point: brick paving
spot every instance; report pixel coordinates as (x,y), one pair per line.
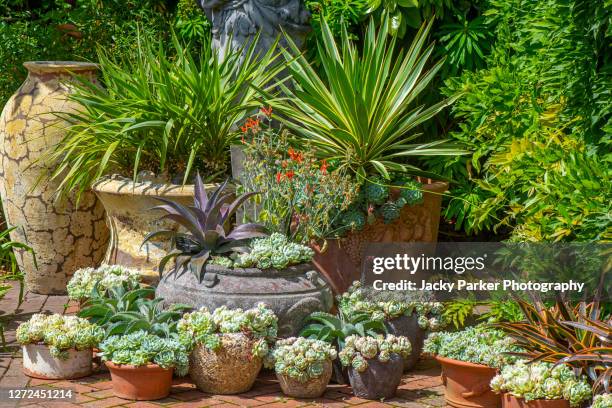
(421,388)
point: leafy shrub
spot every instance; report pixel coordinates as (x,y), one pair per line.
(542,381)
(302,359)
(60,333)
(358,350)
(141,348)
(276,252)
(83,281)
(479,345)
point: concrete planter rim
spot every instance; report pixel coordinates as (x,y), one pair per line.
(44,67)
(250,272)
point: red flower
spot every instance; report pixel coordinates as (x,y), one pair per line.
(324,167)
(295,156)
(290,174)
(279,176)
(267,111)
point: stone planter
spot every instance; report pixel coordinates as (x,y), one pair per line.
(467,384)
(340,262)
(408,326)
(292,293)
(64,237)
(510,401)
(39,363)
(379,380)
(142,383)
(313,388)
(230,370)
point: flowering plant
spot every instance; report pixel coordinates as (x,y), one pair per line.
(302,359)
(542,381)
(60,333)
(300,196)
(106,276)
(141,348)
(358,350)
(479,345)
(202,327)
(602,401)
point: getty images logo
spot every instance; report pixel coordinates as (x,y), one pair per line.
(412,264)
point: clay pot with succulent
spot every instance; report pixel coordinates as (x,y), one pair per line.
(228,346)
(216,263)
(58,347)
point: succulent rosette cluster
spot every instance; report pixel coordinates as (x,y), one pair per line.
(204,327)
(429,313)
(478,344)
(142,348)
(275,251)
(84,280)
(358,350)
(602,401)
(542,381)
(302,359)
(60,333)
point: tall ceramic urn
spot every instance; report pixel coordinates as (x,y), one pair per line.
(63,237)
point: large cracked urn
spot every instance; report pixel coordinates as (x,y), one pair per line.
(292,293)
(63,237)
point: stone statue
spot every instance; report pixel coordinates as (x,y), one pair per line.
(240,20)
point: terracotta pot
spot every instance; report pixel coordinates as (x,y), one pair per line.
(142,383)
(510,401)
(230,370)
(340,261)
(408,326)
(313,388)
(379,380)
(467,384)
(64,237)
(39,363)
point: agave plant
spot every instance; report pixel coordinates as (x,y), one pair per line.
(206,229)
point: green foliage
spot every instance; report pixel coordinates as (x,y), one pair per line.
(358,350)
(192,25)
(503,311)
(465,43)
(8,261)
(302,359)
(406,14)
(84,280)
(275,251)
(337,14)
(141,348)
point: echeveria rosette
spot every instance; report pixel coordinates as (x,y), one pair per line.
(358,350)
(301,359)
(83,281)
(60,333)
(479,345)
(275,251)
(141,348)
(542,381)
(602,401)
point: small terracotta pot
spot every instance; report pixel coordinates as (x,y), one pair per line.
(313,388)
(142,383)
(510,401)
(379,380)
(467,384)
(39,363)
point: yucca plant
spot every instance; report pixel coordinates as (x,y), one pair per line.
(207,231)
(162,111)
(362,110)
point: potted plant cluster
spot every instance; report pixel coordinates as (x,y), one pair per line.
(58,347)
(540,385)
(142,364)
(470,359)
(84,280)
(303,366)
(602,401)
(228,346)
(375,364)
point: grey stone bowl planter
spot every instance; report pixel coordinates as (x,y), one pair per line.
(379,380)
(408,326)
(292,293)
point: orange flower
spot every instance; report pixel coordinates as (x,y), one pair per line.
(295,156)
(290,174)
(279,177)
(324,167)
(267,111)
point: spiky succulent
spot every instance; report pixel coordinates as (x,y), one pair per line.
(302,359)
(376,190)
(207,230)
(358,350)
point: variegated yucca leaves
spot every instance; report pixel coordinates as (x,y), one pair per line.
(580,336)
(206,226)
(362,109)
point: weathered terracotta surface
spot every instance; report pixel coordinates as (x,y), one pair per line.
(510,401)
(379,380)
(64,238)
(467,384)
(142,383)
(340,262)
(313,388)
(39,363)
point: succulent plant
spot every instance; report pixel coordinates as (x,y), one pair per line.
(390,212)
(140,348)
(205,223)
(83,281)
(376,191)
(353,219)
(542,381)
(60,333)
(411,192)
(301,359)
(358,350)
(602,401)
(275,251)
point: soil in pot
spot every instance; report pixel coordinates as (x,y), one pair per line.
(39,363)
(313,388)
(379,380)
(232,369)
(510,401)
(142,383)
(408,326)
(467,384)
